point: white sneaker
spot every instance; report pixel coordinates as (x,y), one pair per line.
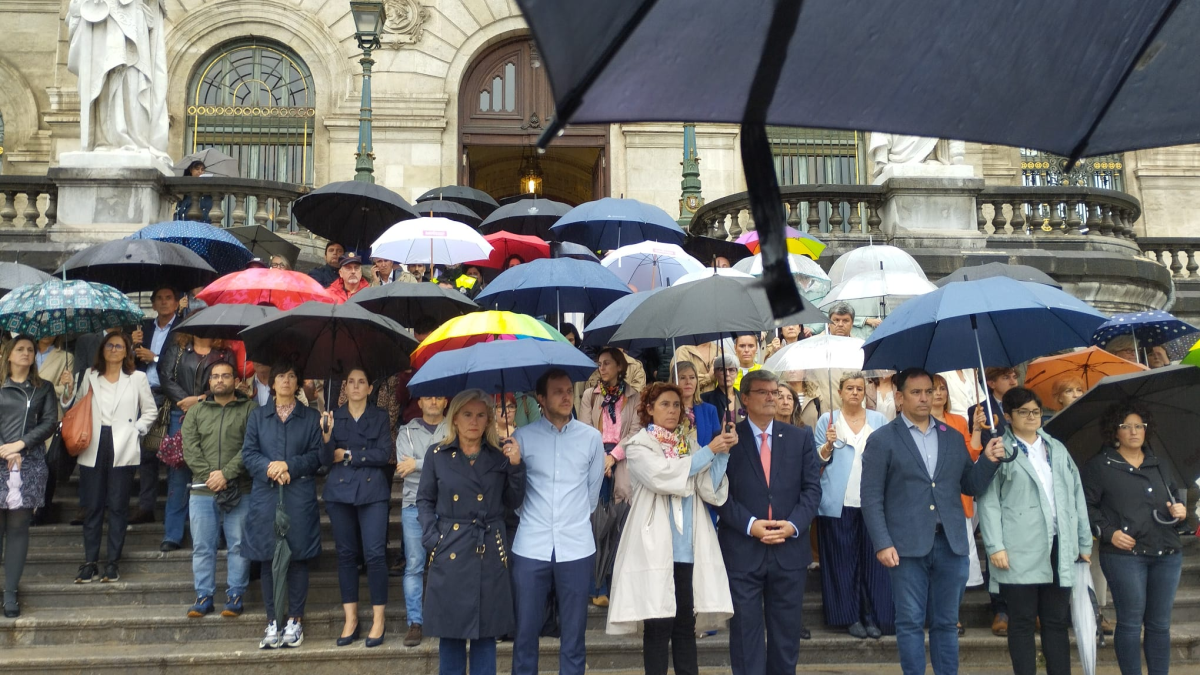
(270,637)
(293,634)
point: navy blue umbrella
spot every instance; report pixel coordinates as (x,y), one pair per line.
(611,223)
(217,247)
(550,287)
(1149,329)
(525,216)
(606,323)
(497,367)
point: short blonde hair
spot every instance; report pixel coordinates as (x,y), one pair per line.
(456,405)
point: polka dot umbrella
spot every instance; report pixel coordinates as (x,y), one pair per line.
(1149,329)
(217,247)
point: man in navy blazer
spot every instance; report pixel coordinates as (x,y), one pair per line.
(764,531)
(913,471)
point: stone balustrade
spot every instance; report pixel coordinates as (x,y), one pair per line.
(29,204)
(1056,211)
(236,201)
(1177,254)
(816,209)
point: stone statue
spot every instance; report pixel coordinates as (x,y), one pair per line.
(118,52)
(885,149)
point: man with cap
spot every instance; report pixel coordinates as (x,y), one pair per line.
(350,277)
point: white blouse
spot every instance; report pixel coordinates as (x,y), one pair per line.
(858,442)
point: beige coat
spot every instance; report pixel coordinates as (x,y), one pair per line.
(643,584)
(56,363)
(590,410)
(134,412)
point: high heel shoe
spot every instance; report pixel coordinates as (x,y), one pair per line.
(349,639)
(375,642)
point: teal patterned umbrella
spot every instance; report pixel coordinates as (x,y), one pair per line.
(59,307)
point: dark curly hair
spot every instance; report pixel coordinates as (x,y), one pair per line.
(650,394)
(1115,416)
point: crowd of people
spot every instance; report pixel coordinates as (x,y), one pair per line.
(733,482)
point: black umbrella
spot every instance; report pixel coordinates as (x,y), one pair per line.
(264,243)
(352,213)
(996,269)
(1170,394)
(478,201)
(224,322)
(328,341)
(608,522)
(445,208)
(526,216)
(566,249)
(135,265)
(14,275)
(708,249)
(409,304)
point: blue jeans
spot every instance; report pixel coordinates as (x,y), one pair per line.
(452,656)
(208,520)
(414,564)
(178,492)
(929,587)
(1143,592)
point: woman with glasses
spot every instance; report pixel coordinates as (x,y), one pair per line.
(1132,501)
(725,398)
(279,262)
(1033,516)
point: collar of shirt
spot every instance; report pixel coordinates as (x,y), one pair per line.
(759,432)
(913,425)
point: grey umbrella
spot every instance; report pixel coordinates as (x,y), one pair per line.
(14,275)
(997,269)
(447,209)
(215,162)
(281,559)
(264,243)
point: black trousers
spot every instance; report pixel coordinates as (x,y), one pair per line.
(105,486)
(360,530)
(675,636)
(1026,604)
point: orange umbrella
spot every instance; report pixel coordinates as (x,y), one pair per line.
(1089,366)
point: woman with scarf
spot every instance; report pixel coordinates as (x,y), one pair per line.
(611,407)
(669,573)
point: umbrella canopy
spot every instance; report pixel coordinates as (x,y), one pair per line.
(478,327)
(797,242)
(1089,366)
(710,272)
(601,329)
(553,286)
(820,352)
(566,249)
(531,217)
(431,241)
(478,201)
(58,307)
(505,244)
(353,213)
(650,264)
(14,275)
(283,289)
(1011,322)
(878,285)
(1083,615)
(498,367)
(1171,394)
(215,162)
(220,249)
(443,208)
(813,281)
(708,249)
(411,304)
(870,259)
(224,322)
(135,265)
(281,558)
(997,269)
(610,223)
(264,243)
(328,341)
(1149,329)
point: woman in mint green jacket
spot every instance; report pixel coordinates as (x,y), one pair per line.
(1034,522)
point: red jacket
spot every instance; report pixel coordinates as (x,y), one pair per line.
(338,290)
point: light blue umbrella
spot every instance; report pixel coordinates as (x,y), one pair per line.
(498,367)
(605,325)
(1149,329)
(609,223)
(552,286)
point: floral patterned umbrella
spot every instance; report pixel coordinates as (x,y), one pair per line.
(59,307)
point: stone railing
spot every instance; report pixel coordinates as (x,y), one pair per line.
(233,202)
(1055,211)
(30,203)
(816,209)
(1177,254)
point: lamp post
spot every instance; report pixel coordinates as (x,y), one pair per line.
(368,23)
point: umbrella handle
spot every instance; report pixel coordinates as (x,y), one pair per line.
(987,426)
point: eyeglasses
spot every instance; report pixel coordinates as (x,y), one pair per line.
(278,266)
(1027,413)
(764,392)
(728,370)
(115,347)
(1133,427)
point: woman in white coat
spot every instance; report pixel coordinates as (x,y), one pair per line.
(122,411)
(669,572)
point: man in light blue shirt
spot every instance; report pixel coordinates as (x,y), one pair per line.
(149,340)
(554,547)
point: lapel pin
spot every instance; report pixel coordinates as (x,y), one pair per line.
(941,427)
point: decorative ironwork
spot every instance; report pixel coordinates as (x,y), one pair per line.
(1043,168)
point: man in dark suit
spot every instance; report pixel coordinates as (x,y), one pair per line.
(774,490)
(913,472)
(150,340)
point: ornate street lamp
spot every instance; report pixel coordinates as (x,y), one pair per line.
(530,172)
(368,23)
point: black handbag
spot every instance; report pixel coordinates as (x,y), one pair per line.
(230,497)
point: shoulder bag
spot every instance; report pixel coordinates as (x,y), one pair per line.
(77,425)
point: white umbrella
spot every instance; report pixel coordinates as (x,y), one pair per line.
(878,285)
(1083,616)
(869,258)
(215,162)
(819,352)
(649,264)
(813,280)
(431,241)
(710,272)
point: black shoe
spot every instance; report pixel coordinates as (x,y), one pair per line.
(397,570)
(111,573)
(961,631)
(857,630)
(140,517)
(349,639)
(11,609)
(805,634)
(375,642)
(78,519)
(168,546)
(87,573)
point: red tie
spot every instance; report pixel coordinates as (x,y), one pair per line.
(764,454)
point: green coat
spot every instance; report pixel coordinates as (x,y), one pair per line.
(1014,512)
(212,440)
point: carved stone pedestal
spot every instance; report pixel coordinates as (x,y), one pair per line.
(107,195)
(928,197)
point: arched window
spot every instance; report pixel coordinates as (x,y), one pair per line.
(253,99)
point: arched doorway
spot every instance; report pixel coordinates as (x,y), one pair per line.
(504,105)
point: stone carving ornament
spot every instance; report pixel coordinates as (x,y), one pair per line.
(885,149)
(405,21)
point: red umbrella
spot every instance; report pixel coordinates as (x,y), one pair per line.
(283,289)
(505,244)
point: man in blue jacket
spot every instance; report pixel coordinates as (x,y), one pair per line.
(913,471)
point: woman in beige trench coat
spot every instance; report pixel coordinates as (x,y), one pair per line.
(669,573)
